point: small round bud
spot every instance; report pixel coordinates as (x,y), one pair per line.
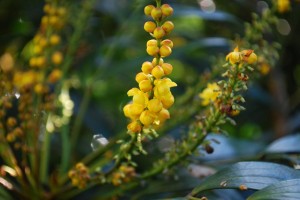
(156,14)
(145,85)
(61,11)
(54,39)
(53,20)
(147,67)
(168,26)
(140,77)
(167,100)
(157,72)
(151,42)
(40,61)
(252,58)
(57,58)
(167,10)
(159,32)
(167,42)
(149,26)
(168,68)
(148,9)
(152,50)
(54,76)
(165,51)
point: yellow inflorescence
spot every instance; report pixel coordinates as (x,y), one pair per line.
(153,97)
(209,94)
(79,176)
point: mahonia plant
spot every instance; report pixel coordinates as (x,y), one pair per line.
(152,99)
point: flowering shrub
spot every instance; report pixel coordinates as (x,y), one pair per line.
(53,84)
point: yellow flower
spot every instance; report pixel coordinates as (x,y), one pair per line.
(210,93)
(30,77)
(235,56)
(283,5)
(249,56)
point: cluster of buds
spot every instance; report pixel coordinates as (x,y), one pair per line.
(46,43)
(123,175)
(150,103)
(223,94)
(79,176)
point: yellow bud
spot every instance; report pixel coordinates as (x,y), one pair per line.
(147,117)
(54,76)
(152,42)
(149,26)
(57,57)
(53,20)
(145,85)
(148,9)
(155,105)
(152,50)
(135,110)
(167,10)
(167,42)
(156,14)
(140,77)
(252,58)
(38,88)
(163,115)
(40,61)
(54,39)
(158,32)
(165,51)
(168,26)
(147,67)
(168,68)
(157,72)
(167,100)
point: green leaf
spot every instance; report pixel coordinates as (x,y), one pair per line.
(251,175)
(287,190)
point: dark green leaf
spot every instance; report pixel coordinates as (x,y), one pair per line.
(287,190)
(252,175)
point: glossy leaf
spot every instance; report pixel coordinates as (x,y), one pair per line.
(287,190)
(247,175)
(288,144)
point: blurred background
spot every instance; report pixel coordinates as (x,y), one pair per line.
(112,50)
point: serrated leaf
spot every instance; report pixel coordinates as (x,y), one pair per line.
(287,190)
(288,144)
(251,175)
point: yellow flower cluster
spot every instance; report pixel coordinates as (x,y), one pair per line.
(283,5)
(210,94)
(236,56)
(45,44)
(153,97)
(79,176)
(122,175)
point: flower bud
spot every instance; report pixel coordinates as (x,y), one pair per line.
(156,14)
(57,58)
(168,26)
(148,9)
(147,67)
(151,42)
(149,26)
(158,33)
(165,51)
(152,50)
(157,72)
(54,39)
(167,10)
(167,42)
(140,77)
(168,68)
(160,62)
(145,85)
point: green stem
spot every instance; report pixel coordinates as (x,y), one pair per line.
(79,118)
(66,151)
(44,161)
